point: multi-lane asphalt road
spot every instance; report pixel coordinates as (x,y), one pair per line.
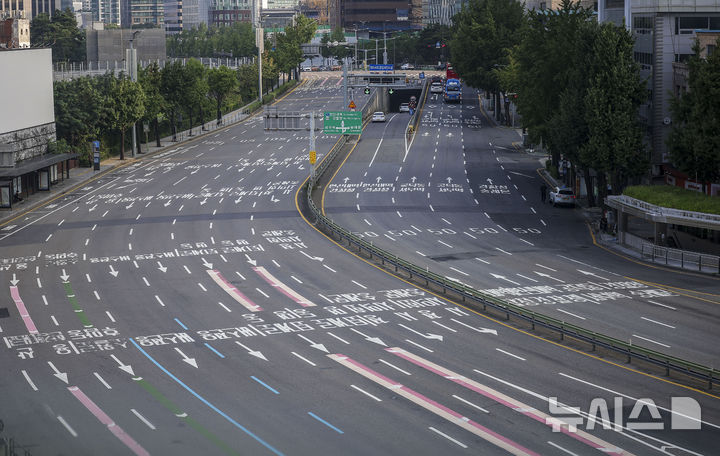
(181,305)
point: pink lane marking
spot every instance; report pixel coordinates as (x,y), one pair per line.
(497,397)
(324,81)
(29,324)
(232,291)
(421,398)
(339,82)
(284,289)
(104,419)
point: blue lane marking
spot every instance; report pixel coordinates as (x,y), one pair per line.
(323,422)
(264,384)
(206,402)
(181,324)
(216,352)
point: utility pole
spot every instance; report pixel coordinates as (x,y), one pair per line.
(132,71)
(384,46)
(345,85)
(312,147)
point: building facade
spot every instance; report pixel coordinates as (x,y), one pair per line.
(227,12)
(15,8)
(110,45)
(147,12)
(173,11)
(665,33)
(14,33)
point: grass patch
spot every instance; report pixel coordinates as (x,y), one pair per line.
(675,197)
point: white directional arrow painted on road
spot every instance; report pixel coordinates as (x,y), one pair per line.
(480,330)
(113,271)
(345,181)
(542,274)
(255,353)
(14,280)
(92,208)
(312,257)
(126,367)
(167,204)
(250,260)
(376,340)
(502,277)
(130,205)
(203,201)
(187,359)
(161,267)
(591,274)
(320,347)
(238,200)
(489,181)
(206,264)
(64,277)
(426,336)
(61,375)
(273,199)
(413,179)
(449,180)
(378,179)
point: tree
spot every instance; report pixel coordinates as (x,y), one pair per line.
(196,89)
(483,34)
(694,142)
(127,102)
(78,107)
(221,82)
(173,87)
(615,147)
(61,33)
(150,79)
(247,76)
(548,68)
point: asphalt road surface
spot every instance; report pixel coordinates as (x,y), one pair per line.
(181,305)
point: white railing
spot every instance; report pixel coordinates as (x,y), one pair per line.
(673,257)
(624,200)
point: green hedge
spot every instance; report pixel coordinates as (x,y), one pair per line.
(675,197)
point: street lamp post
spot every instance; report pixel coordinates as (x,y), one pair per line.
(132,64)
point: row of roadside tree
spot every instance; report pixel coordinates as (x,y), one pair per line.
(575,83)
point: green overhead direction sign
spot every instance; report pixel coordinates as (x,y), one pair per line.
(342,123)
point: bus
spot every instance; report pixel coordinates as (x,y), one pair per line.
(453,91)
(450,72)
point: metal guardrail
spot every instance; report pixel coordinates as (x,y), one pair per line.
(667,212)
(466,293)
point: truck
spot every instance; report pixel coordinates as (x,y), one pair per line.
(453,91)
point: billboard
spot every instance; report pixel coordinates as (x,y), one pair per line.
(26,89)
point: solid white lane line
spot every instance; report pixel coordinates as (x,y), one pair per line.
(571,314)
(470,403)
(465,232)
(394,366)
(445,244)
(30,382)
(526,277)
(459,271)
(443,326)
(662,305)
(52,317)
(510,354)
(102,380)
(561,448)
(261,292)
(295,279)
(304,359)
(159,300)
(67,426)
(329,268)
(545,267)
(503,251)
(112,319)
(650,340)
(444,220)
(146,281)
(658,323)
(359,284)
(527,242)
(143,419)
(338,338)
(224,306)
(187,270)
(482,261)
(365,393)
(418,345)
(420,253)
(456,442)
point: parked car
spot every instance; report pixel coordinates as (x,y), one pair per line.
(378,116)
(407,66)
(436,87)
(562,195)
(404,107)
(306,68)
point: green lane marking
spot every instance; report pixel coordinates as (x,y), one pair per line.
(191,422)
(76,307)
